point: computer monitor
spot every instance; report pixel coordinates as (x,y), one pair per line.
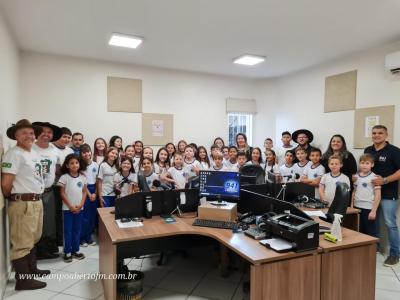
(260,204)
(247,180)
(219,185)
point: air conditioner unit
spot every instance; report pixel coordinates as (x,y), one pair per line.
(392,62)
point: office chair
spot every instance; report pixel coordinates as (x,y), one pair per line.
(142,183)
(340,202)
(253,170)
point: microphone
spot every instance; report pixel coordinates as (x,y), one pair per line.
(294,176)
(158,184)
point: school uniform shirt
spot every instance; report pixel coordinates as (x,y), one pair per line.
(189,166)
(211,161)
(26,167)
(49,158)
(150,179)
(159,170)
(62,153)
(179,176)
(106,174)
(364,190)
(273,169)
(286,171)
(313,172)
(204,165)
(128,181)
(330,183)
(73,189)
(99,159)
(91,172)
(222,168)
(233,167)
(299,169)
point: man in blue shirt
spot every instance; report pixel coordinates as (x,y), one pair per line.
(387,167)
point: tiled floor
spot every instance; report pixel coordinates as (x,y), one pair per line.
(195,277)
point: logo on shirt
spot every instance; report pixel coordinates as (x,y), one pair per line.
(94,170)
(315,175)
(382,158)
(38,169)
(364,184)
(79,184)
(46,164)
(6,165)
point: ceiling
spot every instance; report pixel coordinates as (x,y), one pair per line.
(205,35)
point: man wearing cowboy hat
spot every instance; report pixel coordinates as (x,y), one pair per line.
(48,153)
(22,184)
(303,138)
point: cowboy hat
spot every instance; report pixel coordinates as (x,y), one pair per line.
(24,123)
(57,133)
(308,133)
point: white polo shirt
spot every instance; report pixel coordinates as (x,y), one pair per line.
(179,176)
(330,183)
(91,172)
(313,173)
(365,191)
(73,189)
(26,167)
(106,174)
(130,180)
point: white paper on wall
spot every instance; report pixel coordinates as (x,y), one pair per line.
(370,122)
(157,128)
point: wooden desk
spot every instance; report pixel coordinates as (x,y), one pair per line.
(273,275)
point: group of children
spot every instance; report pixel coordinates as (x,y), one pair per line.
(366,196)
(91,179)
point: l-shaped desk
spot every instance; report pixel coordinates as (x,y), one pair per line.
(345,270)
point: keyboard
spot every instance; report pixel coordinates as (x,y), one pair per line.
(214,224)
(256,233)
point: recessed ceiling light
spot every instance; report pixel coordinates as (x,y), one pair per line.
(249,60)
(123,40)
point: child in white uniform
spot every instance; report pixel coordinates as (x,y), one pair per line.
(105,183)
(125,179)
(313,172)
(367,196)
(302,163)
(73,194)
(286,170)
(327,185)
(192,165)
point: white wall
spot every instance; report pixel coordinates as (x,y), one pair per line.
(72,92)
(301,96)
(9,85)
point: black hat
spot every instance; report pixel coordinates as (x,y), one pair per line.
(24,123)
(57,132)
(308,133)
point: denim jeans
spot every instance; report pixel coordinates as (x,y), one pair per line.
(389,210)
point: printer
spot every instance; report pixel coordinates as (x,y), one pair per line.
(301,232)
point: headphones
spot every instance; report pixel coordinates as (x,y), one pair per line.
(262,223)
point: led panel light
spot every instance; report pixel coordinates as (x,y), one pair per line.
(249,60)
(123,40)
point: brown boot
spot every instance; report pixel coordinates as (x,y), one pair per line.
(33,264)
(22,276)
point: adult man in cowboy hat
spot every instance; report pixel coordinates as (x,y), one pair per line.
(303,138)
(22,184)
(48,153)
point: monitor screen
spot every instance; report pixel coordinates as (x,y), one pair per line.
(217,184)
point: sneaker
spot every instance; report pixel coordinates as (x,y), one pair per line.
(391,261)
(92,243)
(84,244)
(78,255)
(67,258)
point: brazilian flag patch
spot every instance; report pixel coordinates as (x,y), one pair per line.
(6,165)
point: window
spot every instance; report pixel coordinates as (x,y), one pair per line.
(240,123)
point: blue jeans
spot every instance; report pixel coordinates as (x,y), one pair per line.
(389,210)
